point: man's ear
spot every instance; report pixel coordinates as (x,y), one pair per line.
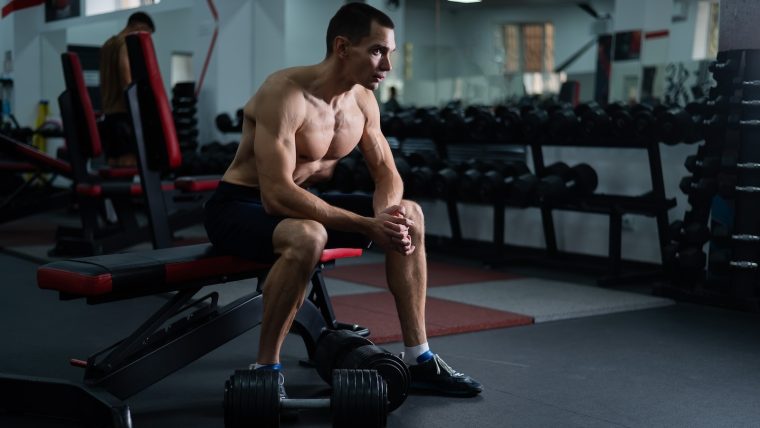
(340,46)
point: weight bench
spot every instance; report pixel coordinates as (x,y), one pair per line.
(186,327)
(180,200)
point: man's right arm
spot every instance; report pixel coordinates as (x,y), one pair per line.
(279,112)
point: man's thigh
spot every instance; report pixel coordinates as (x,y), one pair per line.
(241,226)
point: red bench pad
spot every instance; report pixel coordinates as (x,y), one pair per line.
(154,271)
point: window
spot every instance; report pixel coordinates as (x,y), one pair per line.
(706,31)
(529,48)
(96,7)
(182,67)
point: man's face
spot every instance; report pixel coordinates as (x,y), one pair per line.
(370,59)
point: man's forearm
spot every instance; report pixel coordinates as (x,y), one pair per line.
(295,202)
(389,191)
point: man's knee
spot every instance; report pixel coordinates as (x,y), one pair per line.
(302,240)
(414,213)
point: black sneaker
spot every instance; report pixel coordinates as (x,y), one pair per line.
(435,375)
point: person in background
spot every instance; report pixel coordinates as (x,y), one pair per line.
(116,128)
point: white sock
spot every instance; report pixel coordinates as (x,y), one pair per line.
(412,352)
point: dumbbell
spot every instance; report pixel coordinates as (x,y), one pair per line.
(689,233)
(677,125)
(621,120)
(452,127)
(347,350)
(492,186)
(644,122)
(721,233)
(699,190)
(728,188)
(252,399)
(682,259)
(704,165)
(469,180)
(521,190)
(445,181)
(721,262)
(511,123)
(534,121)
(563,125)
(482,125)
(580,180)
(595,123)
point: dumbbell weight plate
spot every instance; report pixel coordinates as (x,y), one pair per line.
(359,398)
(390,367)
(251,399)
(331,347)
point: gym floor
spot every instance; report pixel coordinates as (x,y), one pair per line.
(551,349)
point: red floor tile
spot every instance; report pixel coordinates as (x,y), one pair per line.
(377,311)
(438,274)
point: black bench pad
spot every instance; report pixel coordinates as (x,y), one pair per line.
(153,271)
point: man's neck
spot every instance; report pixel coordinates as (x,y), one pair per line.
(330,84)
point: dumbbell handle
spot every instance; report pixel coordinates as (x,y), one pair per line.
(742,264)
(748,189)
(305,403)
(745,238)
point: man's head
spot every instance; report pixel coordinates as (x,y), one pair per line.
(354,21)
(140,21)
(361,37)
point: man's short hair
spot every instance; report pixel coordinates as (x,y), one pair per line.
(353,21)
(141,18)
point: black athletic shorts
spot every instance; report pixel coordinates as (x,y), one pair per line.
(236,222)
(117,135)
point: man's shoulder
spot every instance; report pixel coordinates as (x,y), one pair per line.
(113,41)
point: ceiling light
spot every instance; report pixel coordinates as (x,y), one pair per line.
(466,1)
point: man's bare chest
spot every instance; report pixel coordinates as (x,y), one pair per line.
(328,135)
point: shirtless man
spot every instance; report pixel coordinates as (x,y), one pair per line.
(115,76)
(296,127)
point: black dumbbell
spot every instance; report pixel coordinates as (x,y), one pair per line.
(595,123)
(677,125)
(252,399)
(492,186)
(521,190)
(728,188)
(699,190)
(345,349)
(534,122)
(621,120)
(722,234)
(707,166)
(445,181)
(682,259)
(563,125)
(691,233)
(482,125)
(580,180)
(390,367)
(511,123)
(721,262)
(452,127)
(332,346)
(644,122)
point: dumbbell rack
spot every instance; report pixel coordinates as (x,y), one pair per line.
(652,204)
(732,277)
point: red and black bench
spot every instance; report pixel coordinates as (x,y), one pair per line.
(187,326)
(169,205)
